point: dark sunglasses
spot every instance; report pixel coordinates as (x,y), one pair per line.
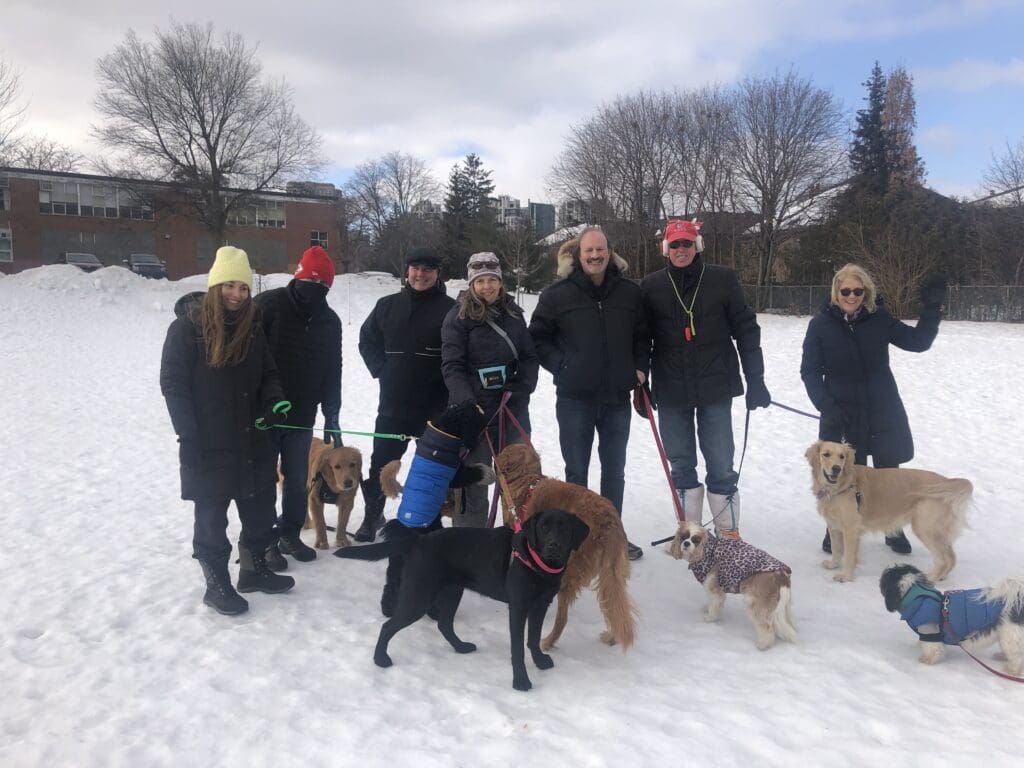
(854,291)
(675,245)
(482,264)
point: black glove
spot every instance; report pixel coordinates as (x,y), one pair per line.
(757,395)
(332,432)
(933,291)
(274,415)
(188,453)
(833,425)
(639,405)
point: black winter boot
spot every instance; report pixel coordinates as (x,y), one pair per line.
(291,544)
(255,576)
(899,543)
(373,520)
(275,560)
(220,595)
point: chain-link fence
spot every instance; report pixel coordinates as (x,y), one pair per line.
(1003,303)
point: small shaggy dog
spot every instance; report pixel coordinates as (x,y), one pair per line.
(601,562)
(333,478)
(972,618)
(732,566)
(854,499)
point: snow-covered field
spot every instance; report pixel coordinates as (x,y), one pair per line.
(109,658)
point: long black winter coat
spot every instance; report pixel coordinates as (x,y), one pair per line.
(218,407)
(591,338)
(306,344)
(704,370)
(468,346)
(400,343)
(845,366)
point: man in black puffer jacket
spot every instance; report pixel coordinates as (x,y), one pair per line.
(696,312)
(400,343)
(589,332)
(304,335)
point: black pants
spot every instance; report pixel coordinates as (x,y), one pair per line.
(386,450)
(292,446)
(209,536)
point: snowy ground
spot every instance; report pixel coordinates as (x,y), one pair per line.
(109,658)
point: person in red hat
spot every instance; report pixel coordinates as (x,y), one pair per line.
(699,320)
(304,334)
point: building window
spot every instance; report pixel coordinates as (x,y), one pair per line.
(6,246)
(58,197)
(270,213)
(5,186)
(98,201)
(318,238)
(130,206)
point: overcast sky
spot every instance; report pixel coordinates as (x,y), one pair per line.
(507,79)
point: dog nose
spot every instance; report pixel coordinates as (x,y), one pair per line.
(835,469)
(348,484)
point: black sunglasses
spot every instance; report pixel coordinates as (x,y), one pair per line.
(483,264)
(854,291)
(677,244)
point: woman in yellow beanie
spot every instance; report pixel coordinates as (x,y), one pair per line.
(221,386)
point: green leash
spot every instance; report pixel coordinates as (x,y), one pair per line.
(386,435)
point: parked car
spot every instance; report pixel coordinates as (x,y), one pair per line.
(87,262)
(146,264)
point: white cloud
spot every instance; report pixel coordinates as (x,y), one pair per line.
(940,139)
(972,75)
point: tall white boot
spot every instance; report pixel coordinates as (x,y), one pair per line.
(725,510)
(692,502)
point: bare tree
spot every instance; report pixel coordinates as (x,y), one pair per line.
(524,258)
(195,112)
(787,137)
(12,113)
(387,188)
(1005,179)
(899,120)
(44,154)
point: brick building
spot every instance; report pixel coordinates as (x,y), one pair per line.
(44,213)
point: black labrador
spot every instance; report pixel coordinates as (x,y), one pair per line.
(523,569)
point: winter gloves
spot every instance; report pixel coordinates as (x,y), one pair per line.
(274,415)
(332,431)
(933,291)
(757,395)
(639,404)
(833,425)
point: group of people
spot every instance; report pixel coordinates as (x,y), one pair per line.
(243,380)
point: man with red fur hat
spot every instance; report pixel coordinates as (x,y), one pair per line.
(305,339)
(698,319)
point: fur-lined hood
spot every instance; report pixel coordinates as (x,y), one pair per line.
(567,262)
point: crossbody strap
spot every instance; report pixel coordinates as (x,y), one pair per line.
(498,330)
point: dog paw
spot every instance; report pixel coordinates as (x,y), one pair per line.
(542,660)
(464,647)
(606,637)
(345,542)
(764,643)
(382,660)
(521,683)
(321,544)
(711,616)
(841,577)
(829,564)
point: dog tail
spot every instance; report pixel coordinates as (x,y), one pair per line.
(389,479)
(379,551)
(782,616)
(1011,592)
(612,596)
(956,493)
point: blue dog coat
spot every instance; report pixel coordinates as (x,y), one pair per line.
(433,467)
(966,612)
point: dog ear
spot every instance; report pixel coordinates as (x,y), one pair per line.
(889,584)
(851,459)
(814,454)
(580,531)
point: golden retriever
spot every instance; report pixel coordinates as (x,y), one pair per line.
(854,499)
(602,558)
(334,476)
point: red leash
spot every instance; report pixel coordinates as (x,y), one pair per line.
(503,412)
(949,630)
(664,458)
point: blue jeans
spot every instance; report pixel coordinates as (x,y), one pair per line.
(714,431)
(292,445)
(577,422)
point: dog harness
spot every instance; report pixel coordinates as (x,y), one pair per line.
(323,490)
(736,561)
(433,466)
(960,613)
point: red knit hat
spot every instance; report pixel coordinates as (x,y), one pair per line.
(316,264)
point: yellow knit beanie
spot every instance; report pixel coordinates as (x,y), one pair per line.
(230,264)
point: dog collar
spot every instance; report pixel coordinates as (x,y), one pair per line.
(324,491)
(537,565)
(517,518)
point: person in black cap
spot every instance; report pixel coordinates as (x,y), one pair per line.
(400,343)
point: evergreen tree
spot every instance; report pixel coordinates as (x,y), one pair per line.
(869,158)
(468,216)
